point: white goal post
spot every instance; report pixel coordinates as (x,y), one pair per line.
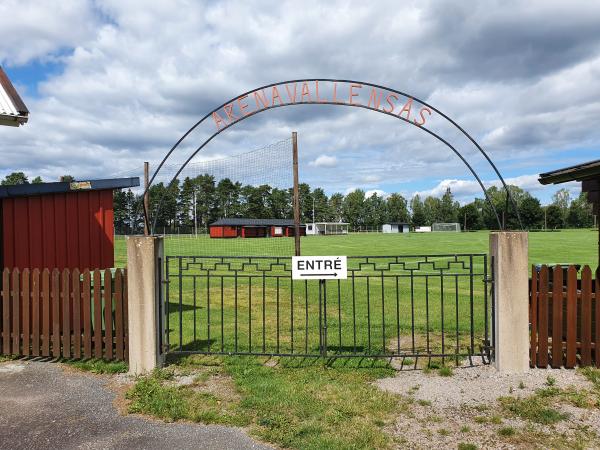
(445,227)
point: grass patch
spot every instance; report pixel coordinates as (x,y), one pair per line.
(593,375)
(311,405)
(506,431)
(535,408)
(466,446)
(98,366)
(153,395)
(445,371)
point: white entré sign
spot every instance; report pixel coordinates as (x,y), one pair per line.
(319,268)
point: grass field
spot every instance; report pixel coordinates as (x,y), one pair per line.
(381,311)
(572,246)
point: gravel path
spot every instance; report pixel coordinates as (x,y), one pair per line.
(42,406)
(443,412)
(474,385)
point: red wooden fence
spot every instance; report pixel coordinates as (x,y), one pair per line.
(564,315)
(64,314)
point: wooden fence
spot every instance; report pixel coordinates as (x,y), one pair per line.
(564,317)
(64,314)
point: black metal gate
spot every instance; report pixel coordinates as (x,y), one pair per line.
(390,306)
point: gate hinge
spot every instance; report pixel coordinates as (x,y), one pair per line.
(488,279)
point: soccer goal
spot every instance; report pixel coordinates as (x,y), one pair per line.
(445,227)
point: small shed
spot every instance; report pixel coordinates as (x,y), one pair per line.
(395,227)
(13,111)
(59,225)
(253,228)
(588,174)
(326,228)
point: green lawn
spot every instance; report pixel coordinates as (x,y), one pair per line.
(383,310)
(573,246)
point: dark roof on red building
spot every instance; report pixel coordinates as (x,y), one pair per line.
(241,221)
(27,190)
(580,172)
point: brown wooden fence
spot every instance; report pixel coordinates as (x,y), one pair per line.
(564,317)
(64,314)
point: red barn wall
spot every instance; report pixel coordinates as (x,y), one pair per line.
(66,230)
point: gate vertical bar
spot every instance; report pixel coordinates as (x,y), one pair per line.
(321,348)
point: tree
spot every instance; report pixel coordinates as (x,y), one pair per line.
(554,217)
(336,207)
(580,213)
(280,204)
(532,214)
(375,211)
(448,208)
(321,205)
(397,209)
(354,208)
(432,208)
(67,178)
(15,178)
(419,217)
(470,217)
(562,200)
(228,198)
(37,180)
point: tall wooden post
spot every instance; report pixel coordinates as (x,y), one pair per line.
(296,200)
(146,199)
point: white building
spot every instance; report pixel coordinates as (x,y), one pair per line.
(399,227)
(327,228)
(422,229)
(13,111)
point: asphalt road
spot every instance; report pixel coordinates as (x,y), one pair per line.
(44,407)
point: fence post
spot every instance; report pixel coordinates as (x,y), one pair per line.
(509,255)
(144,257)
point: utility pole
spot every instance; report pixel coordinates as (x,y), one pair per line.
(296,194)
(313,209)
(146,199)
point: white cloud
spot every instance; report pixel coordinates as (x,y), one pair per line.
(324,161)
(379,193)
(523,80)
(33,29)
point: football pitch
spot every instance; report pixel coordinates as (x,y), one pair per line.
(566,246)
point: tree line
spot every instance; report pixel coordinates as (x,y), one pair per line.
(201,200)
(212,200)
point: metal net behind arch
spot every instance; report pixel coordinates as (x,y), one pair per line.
(234,206)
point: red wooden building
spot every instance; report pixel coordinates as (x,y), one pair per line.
(251,228)
(59,225)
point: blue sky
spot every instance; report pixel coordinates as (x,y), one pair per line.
(111,84)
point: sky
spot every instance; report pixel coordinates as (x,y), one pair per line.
(110,84)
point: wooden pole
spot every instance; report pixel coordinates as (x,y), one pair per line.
(146,199)
(296,200)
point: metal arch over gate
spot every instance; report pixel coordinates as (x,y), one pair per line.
(310,93)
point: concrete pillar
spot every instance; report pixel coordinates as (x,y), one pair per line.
(144,256)
(509,255)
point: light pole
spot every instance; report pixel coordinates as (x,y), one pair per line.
(194,214)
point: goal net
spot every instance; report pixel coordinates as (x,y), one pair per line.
(445,227)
